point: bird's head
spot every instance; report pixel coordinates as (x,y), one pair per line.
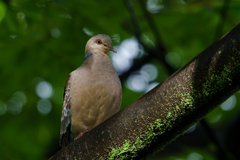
(99,43)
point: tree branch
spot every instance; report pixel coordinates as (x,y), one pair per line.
(137,65)
(152,25)
(161,115)
(157,52)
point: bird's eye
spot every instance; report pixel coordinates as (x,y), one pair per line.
(99,41)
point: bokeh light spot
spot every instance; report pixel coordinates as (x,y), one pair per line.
(20,16)
(13,36)
(44,89)
(150,71)
(20,96)
(44,106)
(153,6)
(126,52)
(151,86)
(120,63)
(14,106)
(173,59)
(191,129)
(194,156)
(229,104)
(216,118)
(137,83)
(87,32)
(55,32)
(129,48)
(66,15)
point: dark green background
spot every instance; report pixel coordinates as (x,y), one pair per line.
(45,40)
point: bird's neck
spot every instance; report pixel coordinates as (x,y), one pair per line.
(87,55)
(98,61)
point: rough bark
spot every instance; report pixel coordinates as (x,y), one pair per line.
(161,115)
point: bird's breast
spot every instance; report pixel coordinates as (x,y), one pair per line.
(95,97)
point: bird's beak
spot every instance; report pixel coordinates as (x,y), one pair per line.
(112,49)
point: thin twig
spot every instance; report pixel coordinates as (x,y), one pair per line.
(137,65)
(156,52)
(152,25)
(133,19)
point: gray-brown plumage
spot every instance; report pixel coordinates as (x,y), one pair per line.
(93,91)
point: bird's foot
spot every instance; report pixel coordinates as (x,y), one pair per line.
(80,135)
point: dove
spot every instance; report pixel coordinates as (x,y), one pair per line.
(92,93)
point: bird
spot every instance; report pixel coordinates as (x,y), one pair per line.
(92,93)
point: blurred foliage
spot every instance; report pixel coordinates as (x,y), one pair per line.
(45,40)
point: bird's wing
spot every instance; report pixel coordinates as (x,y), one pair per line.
(66,117)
